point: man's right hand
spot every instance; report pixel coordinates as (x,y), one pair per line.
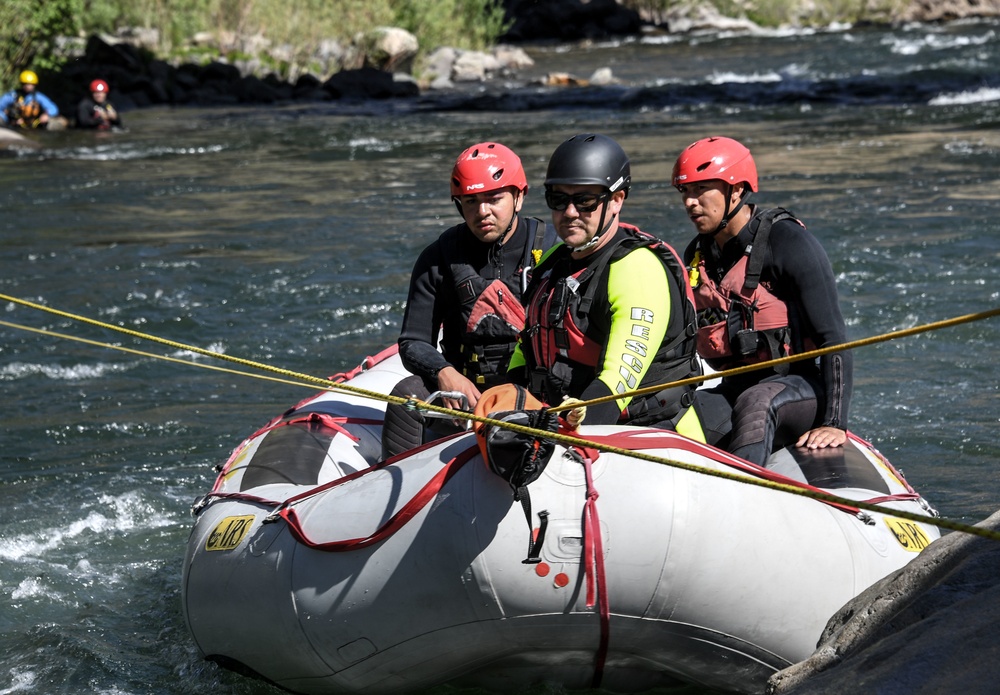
(450,379)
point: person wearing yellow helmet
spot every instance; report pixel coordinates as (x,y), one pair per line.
(26,107)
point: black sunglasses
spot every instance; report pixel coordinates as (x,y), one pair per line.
(583,202)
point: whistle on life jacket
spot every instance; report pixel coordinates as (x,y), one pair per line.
(694,277)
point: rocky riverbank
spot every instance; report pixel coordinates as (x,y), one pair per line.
(380,64)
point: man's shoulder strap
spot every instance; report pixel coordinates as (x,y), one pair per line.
(543,237)
(760,241)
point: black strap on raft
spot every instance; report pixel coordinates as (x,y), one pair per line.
(534,543)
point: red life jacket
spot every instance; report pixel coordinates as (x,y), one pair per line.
(740,321)
(565,350)
(492,312)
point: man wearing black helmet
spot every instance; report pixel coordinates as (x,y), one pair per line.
(607,311)
(764,289)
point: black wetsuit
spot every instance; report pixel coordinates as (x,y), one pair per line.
(87,115)
(767,410)
(433,306)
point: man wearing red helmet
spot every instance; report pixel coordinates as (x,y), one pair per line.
(95,111)
(466,286)
(764,289)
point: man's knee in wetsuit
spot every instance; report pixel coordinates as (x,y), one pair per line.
(406,428)
(403,427)
(716,415)
(771,415)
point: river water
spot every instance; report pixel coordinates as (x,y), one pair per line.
(285,235)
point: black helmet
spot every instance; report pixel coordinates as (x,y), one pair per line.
(590,159)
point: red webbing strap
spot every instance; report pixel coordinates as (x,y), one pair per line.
(398,520)
(593,556)
(340,377)
(885,462)
(366,364)
(667,439)
(332,422)
(898,497)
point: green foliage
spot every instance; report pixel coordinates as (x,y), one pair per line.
(177,20)
(295,29)
(302,25)
(468,24)
(101,15)
(28,33)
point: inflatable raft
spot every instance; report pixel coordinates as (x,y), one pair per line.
(318,568)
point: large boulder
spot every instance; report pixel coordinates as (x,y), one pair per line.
(368,83)
(931,627)
(389,49)
(568,20)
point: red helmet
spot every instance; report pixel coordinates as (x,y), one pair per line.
(98,86)
(487,167)
(715,158)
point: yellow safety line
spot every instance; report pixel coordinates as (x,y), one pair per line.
(566,440)
(154,356)
(811,355)
(326,383)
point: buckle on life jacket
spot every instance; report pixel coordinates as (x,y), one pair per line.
(537,380)
(466,292)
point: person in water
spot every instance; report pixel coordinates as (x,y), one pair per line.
(26,107)
(466,286)
(764,289)
(607,309)
(95,111)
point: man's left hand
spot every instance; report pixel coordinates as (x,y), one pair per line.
(823,437)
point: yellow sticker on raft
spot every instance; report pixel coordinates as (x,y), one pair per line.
(228,533)
(909,534)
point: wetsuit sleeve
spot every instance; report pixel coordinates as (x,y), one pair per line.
(5,101)
(639,300)
(517,368)
(418,337)
(805,277)
(85,114)
(50,106)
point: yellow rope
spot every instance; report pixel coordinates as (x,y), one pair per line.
(132,351)
(566,440)
(811,355)
(325,383)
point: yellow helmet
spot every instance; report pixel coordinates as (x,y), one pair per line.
(29,77)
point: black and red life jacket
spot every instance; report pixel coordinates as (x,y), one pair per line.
(567,339)
(740,320)
(491,310)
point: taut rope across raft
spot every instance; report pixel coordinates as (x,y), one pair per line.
(307,380)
